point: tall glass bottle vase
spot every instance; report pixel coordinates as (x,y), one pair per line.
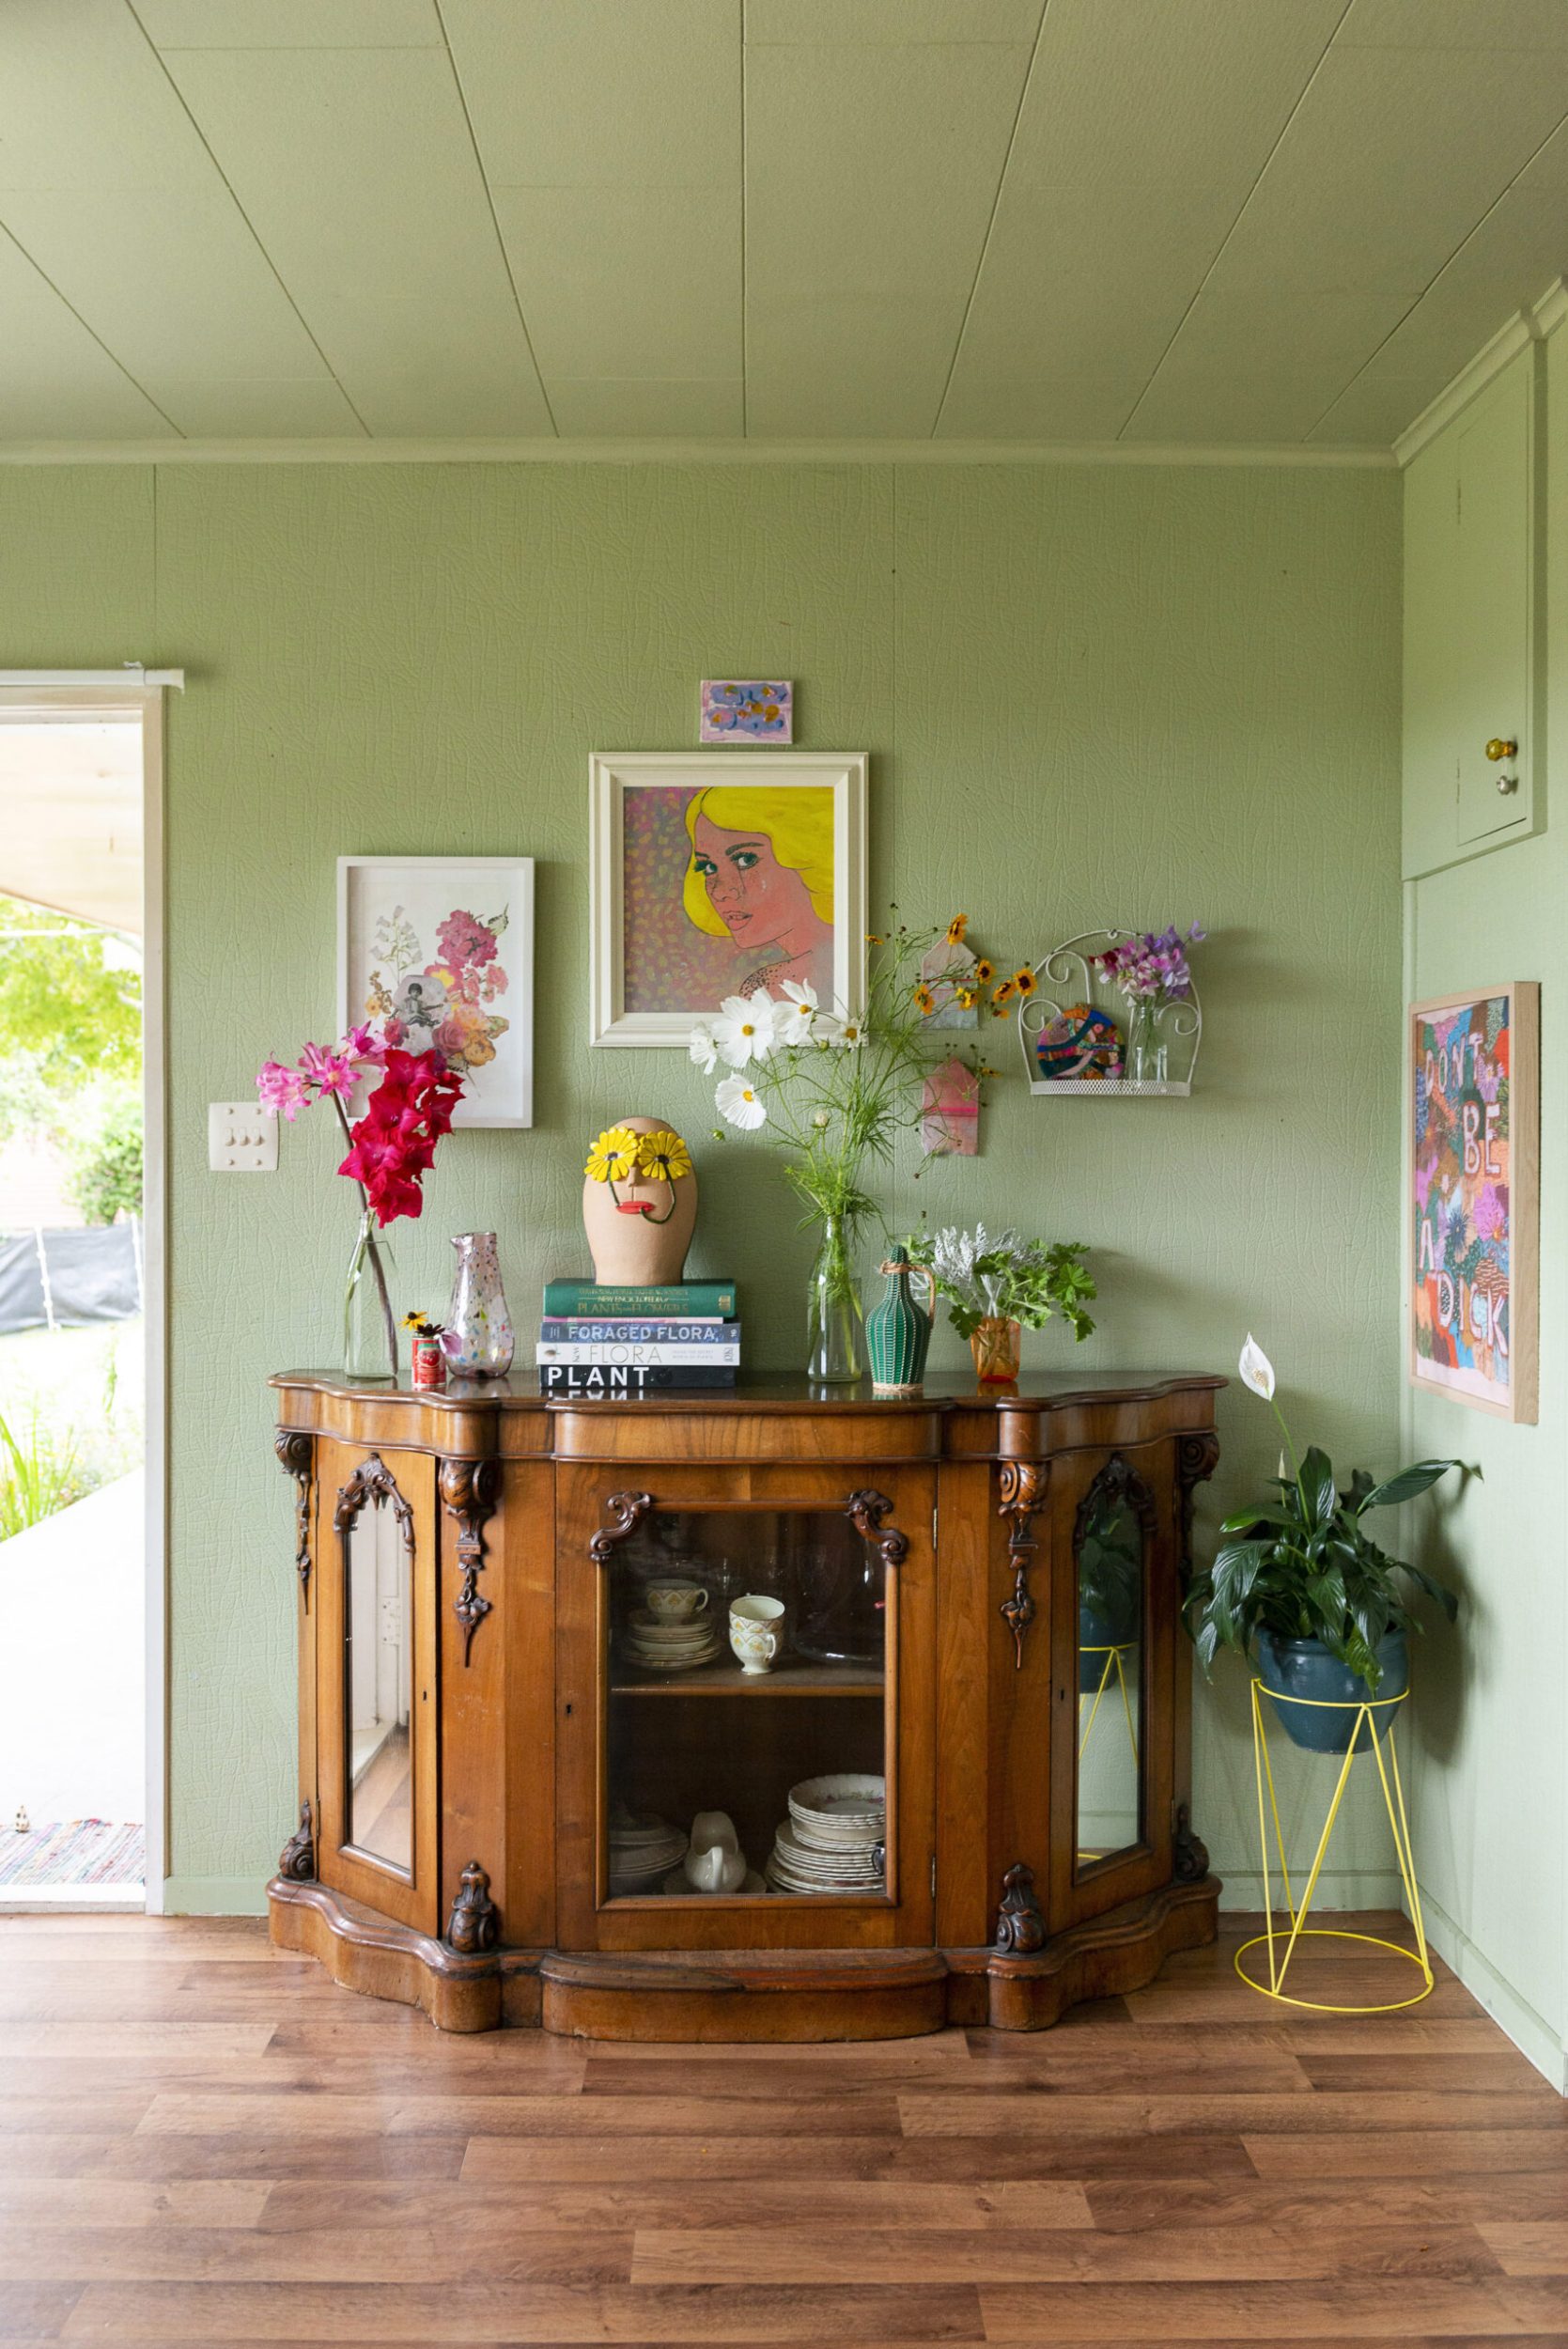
(478,1324)
(1147,1062)
(369,1325)
(834,1318)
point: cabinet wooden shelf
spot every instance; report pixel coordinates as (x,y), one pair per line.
(477,1753)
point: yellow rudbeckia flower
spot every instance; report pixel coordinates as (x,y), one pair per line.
(663,1155)
(613,1156)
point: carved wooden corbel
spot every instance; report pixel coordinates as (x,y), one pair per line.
(1023,1492)
(865,1512)
(1197,1457)
(296,1456)
(468,1494)
(627,1510)
(1020,1926)
(297,1859)
(475,1924)
(373,1482)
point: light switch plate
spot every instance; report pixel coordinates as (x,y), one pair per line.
(241,1138)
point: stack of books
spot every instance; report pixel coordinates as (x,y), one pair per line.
(595,1341)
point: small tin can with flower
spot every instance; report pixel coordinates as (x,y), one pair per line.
(427,1352)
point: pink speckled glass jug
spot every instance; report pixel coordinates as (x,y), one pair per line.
(477,1319)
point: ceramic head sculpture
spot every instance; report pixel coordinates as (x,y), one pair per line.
(638,1203)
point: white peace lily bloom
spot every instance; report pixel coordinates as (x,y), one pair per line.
(1257,1371)
(738,1103)
(745,1029)
(794,1018)
(704,1051)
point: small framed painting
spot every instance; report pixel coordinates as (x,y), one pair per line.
(720,874)
(436,953)
(1473,1210)
(742,713)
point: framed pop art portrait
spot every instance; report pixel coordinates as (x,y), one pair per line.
(1472,1212)
(436,953)
(722,873)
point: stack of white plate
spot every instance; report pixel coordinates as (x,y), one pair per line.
(671,1647)
(642,1850)
(831,1840)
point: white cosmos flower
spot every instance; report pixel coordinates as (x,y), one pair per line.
(1257,1371)
(794,1017)
(850,1033)
(744,1030)
(738,1103)
(704,1051)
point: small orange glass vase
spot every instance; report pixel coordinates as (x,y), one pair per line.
(997,1349)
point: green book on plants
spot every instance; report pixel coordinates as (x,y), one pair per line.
(684,1300)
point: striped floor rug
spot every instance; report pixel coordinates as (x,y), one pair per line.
(77,1851)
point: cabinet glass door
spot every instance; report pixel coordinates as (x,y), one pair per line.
(1110,1554)
(379,1655)
(747,1724)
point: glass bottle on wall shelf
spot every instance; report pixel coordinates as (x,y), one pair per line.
(1148,1053)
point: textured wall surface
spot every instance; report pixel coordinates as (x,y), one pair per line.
(1090,694)
(1491,1767)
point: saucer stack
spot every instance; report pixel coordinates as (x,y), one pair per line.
(642,1849)
(831,1841)
(671,1647)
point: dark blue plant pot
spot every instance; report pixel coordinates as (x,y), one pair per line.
(1304,1668)
(1096,1634)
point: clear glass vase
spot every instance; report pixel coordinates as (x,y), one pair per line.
(834,1318)
(1142,1044)
(369,1324)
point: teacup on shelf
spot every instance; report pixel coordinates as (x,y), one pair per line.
(756,1631)
(676,1602)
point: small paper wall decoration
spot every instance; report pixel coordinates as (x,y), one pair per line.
(746,713)
(945,968)
(950,1112)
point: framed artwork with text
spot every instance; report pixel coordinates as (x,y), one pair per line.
(1472,1239)
(721,873)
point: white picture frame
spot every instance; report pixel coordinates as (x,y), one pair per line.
(702,972)
(499,1092)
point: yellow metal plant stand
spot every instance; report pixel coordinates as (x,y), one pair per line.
(1112,1669)
(1280,1945)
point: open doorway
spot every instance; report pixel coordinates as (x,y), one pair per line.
(77,1281)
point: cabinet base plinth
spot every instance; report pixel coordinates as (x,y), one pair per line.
(744,1994)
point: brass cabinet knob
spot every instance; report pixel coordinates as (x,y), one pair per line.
(1498,748)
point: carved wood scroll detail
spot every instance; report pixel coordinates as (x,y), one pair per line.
(1023,1492)
(475,1924)
(373,1482)
(1120,1481)
(1197,1457)
(865,1512)
(468,1494)
(297,1859)
(1021,1927)
(627,1510)
(296,1456)
(1189,1852)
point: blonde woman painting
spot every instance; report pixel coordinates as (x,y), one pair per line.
(761,872)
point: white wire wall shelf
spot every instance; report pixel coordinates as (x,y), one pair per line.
(1068,979)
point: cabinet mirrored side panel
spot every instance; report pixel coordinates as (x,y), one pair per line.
(1112,1568)
(378,1565)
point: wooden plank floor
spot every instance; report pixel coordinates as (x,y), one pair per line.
(204,2142)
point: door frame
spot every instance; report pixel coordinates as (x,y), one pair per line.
(139,691)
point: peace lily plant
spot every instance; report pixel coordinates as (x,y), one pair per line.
(1299,1580)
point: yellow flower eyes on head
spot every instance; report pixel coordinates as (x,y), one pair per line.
(663,1155)
(613,1156)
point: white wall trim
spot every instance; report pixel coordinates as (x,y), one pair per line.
(1470,381)
(1530,2032)
(1543,316)
(694,452)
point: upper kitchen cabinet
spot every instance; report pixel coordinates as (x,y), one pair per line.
(1474,626)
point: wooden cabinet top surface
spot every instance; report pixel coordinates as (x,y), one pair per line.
(762,1418)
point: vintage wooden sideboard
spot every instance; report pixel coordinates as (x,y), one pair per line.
(978,1605)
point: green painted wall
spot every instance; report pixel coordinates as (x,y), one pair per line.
(1090,694)
(1490,1775)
